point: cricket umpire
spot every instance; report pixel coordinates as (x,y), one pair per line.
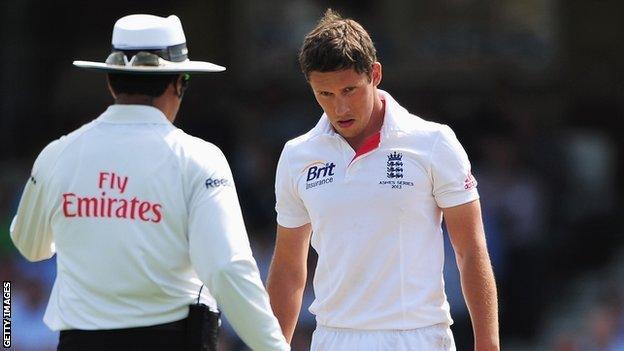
(144,219)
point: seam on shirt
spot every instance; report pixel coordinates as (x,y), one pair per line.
(47,169)
(430,163)
(290,177)
(163,139)
(71,138)
(293,185)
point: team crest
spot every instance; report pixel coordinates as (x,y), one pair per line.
(394,167)
(394,172)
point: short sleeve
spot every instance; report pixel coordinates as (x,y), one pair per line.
(291,212)
(453,182)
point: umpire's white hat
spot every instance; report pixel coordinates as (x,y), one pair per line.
(149,44)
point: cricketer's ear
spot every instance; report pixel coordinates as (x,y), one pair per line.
(376,73)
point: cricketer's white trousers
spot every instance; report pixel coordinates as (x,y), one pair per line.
(434,338)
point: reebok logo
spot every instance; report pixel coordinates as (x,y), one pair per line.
(214,183)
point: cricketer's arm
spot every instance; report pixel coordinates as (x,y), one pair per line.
(288,274)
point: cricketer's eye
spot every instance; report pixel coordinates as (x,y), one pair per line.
(324,93)
(348,90)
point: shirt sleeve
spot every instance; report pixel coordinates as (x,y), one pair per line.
(31,228)
(291,212)
(453,183)
(222,257)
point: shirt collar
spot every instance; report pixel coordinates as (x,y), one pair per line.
(394,118)
(133,114)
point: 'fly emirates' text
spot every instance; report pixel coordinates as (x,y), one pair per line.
(111,207)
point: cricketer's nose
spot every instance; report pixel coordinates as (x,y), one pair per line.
(342,107)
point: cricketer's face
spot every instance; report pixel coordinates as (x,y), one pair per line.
(347,97)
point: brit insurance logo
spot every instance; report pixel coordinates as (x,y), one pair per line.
(394,172)
(319,173)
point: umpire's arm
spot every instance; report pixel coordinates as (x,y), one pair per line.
(221,255)
(31,228)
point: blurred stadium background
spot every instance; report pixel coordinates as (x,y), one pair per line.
(533,88)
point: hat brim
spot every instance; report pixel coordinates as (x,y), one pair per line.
(167,67)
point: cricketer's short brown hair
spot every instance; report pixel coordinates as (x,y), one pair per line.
(335,44)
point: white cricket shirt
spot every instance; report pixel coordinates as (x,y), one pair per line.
(376,218)
(139,215)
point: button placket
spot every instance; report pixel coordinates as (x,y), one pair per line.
(347,154)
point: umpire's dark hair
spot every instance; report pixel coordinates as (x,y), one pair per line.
(335,44)
(153,85)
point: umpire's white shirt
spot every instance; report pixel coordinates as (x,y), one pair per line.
(139,215)
(376,218)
